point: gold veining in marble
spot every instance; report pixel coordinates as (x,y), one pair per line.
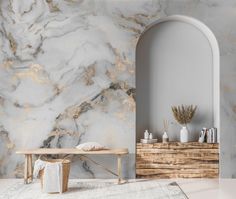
(89,74)
(35,72)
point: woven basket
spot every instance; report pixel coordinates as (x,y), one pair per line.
(65,172)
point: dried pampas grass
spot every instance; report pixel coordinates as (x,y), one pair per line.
(183,114)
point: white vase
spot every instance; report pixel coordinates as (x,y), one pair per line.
(146,135)
(184,134)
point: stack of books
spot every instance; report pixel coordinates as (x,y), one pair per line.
(211,135)
(148,141)
(208,135)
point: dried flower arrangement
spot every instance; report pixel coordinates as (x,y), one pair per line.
(183,114)
(166,125)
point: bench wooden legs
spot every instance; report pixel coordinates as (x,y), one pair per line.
(119,171)
(30,168)
(28,171)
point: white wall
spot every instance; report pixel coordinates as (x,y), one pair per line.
(174,66)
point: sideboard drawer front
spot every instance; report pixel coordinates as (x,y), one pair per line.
(177,160)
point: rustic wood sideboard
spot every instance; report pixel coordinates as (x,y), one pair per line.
(177,160)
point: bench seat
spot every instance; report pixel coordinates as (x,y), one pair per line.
(52,151)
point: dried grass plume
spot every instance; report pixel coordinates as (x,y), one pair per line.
(183,114)
(166,125)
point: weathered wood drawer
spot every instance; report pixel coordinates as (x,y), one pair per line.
(177,160)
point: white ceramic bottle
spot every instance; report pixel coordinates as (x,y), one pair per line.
(184,134)
(150,136)
(146,135)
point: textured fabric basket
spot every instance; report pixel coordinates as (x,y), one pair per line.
(65,172)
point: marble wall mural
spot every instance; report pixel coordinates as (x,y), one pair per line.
(67,74)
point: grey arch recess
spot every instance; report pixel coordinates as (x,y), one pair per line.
(215,58)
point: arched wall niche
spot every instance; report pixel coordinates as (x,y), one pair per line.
(179,33)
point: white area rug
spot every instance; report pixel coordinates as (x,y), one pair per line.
(91,189)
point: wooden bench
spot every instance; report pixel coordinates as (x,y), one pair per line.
(28,171)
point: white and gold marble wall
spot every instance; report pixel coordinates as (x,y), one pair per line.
(67,74)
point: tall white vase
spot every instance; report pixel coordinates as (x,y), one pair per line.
(184,134)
